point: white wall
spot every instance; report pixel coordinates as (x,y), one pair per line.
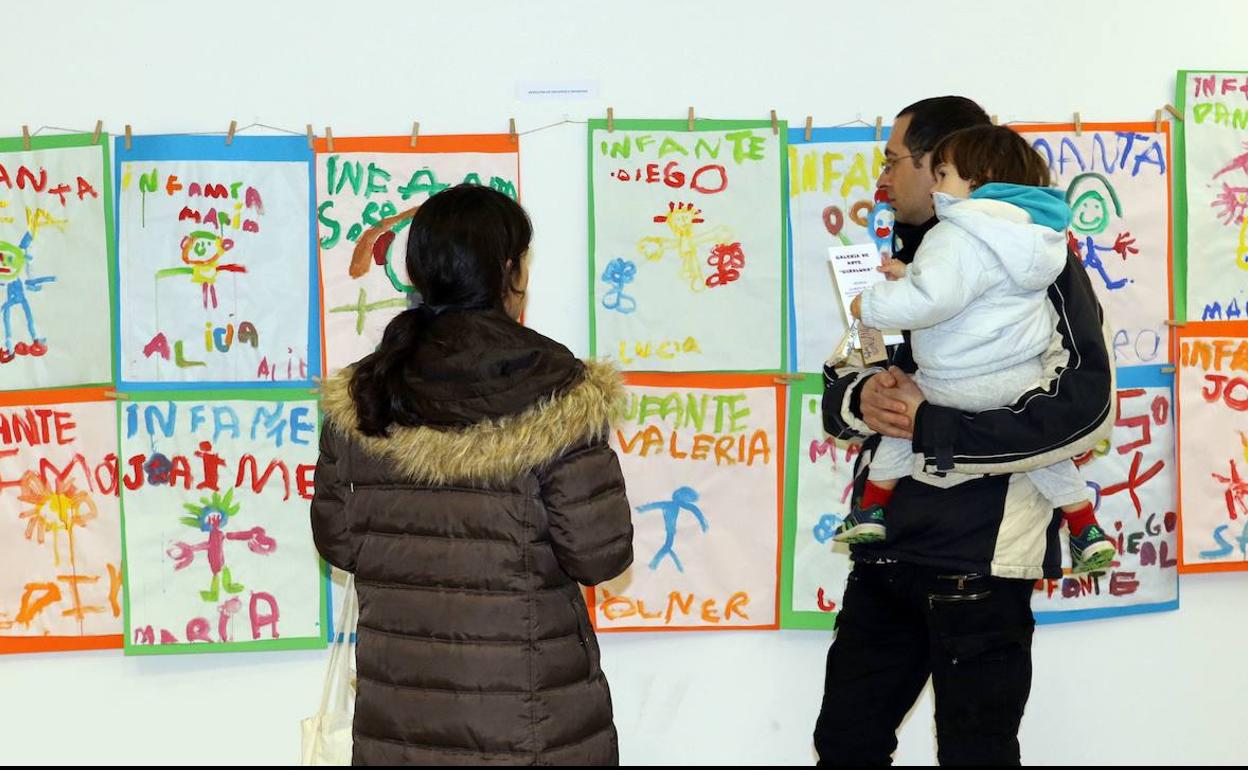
(1148,690)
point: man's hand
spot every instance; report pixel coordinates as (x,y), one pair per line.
(906,392)
(882,411)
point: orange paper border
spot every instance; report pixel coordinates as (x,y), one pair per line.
(1142,127)
(444,143)
(711,381)
(500,144)
(11,645)
(16,645)
(1198,329)
(46,397)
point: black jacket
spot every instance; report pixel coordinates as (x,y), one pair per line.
(995,523)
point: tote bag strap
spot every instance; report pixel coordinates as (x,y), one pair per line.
(339,671)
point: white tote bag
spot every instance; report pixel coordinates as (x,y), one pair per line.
(327,733)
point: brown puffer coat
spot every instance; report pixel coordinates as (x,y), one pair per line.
(468,538)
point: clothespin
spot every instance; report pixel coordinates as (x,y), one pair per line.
(1170,108)
(116,395)
(311,138)
(25,137)
(1157,122)
(810,127)
(95,137)
(610,120)
(329,138)
(1078,124)
(786,378)
(690,118)
(996,121)
(128,137)
(1173,322)
(229,135)
(415,132)
(511,130)
(879,127)
(775,124)
(1167,370)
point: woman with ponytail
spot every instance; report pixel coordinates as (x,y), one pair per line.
(466,480)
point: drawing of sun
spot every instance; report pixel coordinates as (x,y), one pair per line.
(57,508)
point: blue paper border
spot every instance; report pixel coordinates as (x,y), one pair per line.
(213,148)
(797,137)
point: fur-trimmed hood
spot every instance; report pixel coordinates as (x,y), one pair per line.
(492,451)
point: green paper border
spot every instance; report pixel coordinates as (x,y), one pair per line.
(1180,194)
(700,124)
(318,641)
(809,385)
(65,141)
(1179,264)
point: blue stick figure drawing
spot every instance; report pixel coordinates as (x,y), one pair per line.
(682,499)
(13,259)
(618,273)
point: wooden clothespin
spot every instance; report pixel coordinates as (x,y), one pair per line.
(25,137)
(415,132)
(511,130)
(113,394)
(610,120)
(1078,124)
(1173,322)
(229,135)
(810,127)
(99,127)
(329,138)
(879,127)
(311,138)
(1174,113)
(775,123)
(996,121)
(787,378)
(1167,370)
(128,137)
(690,118)
(1157,122)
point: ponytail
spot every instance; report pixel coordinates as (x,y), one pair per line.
(377,382)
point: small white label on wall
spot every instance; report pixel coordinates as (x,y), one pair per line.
(556,90)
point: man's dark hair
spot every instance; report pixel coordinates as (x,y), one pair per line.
(933,119)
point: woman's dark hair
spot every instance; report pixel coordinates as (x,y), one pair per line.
(986,154)
(464,252)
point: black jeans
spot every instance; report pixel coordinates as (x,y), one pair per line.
(901,623)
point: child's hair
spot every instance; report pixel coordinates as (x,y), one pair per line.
(465,249)
(984,154)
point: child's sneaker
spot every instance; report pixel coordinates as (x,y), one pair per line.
(1091,550)
(861,526)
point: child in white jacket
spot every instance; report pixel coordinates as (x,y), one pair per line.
(975,302)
